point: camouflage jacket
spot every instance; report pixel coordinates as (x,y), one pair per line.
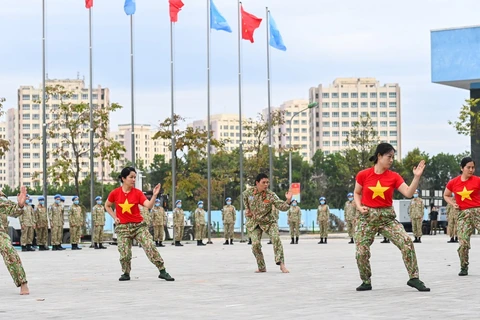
(98,215)
(323,213)
(75,216)
(159,217)
(147,216)
(199,217)
(416,208)
(294,214)
(261,205)
(451,211)
(8,208)
(350,210)
(178,217)
(55,215)
(27,219)
(41,219)
(229,214)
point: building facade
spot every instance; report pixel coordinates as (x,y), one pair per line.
(3,159)
(344,102)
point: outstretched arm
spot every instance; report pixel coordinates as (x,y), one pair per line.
(408,191)
(149,203)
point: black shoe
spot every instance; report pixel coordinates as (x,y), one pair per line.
(42,248)
(385,240)
(226,243)
(452,240)
(456,239)
(249,241)
(296,240)
(269,242)
(24,249)
(124,277)
(321,241)
(156,244)
(29,247)
(160,244)
(165,276)
(417,284)
(46,248)
(325,242)
(200,243)
(463,272)
(364,287)
(292,242)
(95,246)
(101,246)
(416,240)
(60,247)
(54,247)
(178,244)
(231,241)
(419,239)
(74,246)
(351,240)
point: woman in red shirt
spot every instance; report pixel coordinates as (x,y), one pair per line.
(467,195)
(374,197)
(130,225)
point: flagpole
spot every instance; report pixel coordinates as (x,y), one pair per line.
(240,119)
(172,100)
(90,91)
(270,155)
(44,110)
(132,90)
(209,174)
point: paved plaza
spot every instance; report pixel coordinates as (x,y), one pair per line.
(218,282)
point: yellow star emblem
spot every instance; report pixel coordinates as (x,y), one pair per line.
(465,193)
(378,190)
(126,206)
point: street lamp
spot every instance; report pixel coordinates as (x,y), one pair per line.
(310,106)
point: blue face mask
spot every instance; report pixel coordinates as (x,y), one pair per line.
(322,202)
(415,195)
(99,202)
(179,205)
(76,202)
(294,204)
(57,201)
(229,203)
(157,204)
(200,205)
(41,202)
(350,199)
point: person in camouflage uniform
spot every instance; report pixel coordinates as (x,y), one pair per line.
(415,211)
(259,202)
(276,214)
(323,214)
(41,224)
(452,218)
(9,254)
(350,216)
(76,222)
(98,223)
(199,217)
(55,215)
(159,219)
(178,223)
(229,216)
(294,216)
(27,223)
(373,194)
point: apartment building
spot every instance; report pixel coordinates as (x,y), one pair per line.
(3,159)
(344,102)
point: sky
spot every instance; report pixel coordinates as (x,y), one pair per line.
(328,39)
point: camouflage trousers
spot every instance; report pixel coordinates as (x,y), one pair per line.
(452,225)
(158,232)
(27,236)
(255,232)
(12,260)
(199,231)
(75,234)
(42,235)
(294,228)
(323,228)
(57,234)
(417,227)
(468,221)
(228,230)
(351,228)
(382,220)
(98,233)
(179,233)
(128,232)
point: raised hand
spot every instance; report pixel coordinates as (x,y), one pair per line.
(418,170)
(22,196)
(156,190)
(289,196)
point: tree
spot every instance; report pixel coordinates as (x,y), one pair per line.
(441,169)
(405,168)
(69,124)
(362,141)
(4,144)
(468,124)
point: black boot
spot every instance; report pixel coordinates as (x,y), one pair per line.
(296,240)
(231,242)
(54,247)
(60,247)
(41,248)
(29,247)
(292,242)
(321,241)
(226,243)
(46,248)
(385,240)
(351,240)
(249,241)
(178,244)
(325,241)
(95,246)
(24,248)
(101,246)
(419,239)
(456,239)
(269,241)
(160,244)
(74,246)
(156,244)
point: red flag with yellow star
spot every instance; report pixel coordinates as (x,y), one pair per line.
(249,24)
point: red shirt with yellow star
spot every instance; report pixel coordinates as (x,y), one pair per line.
(126,204)
(377,189)
(467,193)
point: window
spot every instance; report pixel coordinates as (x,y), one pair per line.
(304,130)
(354,104)
(344,133)
(383,133)
(304,114)
(36,156)
(26,165)
(334,95)
(364,95)
(383,114)
(344,114)
(364,104)
(304,122)
(326,134)
(35,96)
(354,114)
(354,95)
(36,107)
(383,94)
(334,104)
(327,153)
(373,114)
(383,123)
(335,124)
(336,143)
(26,155)
(75,96)
(232,127)
(344,143)
(25,107)
(335,114)
(296,130)
(345,123)
(95,96)
(393,143)
(392,104)
(25,97)
(84,96)
(295,121)
(393,133)
(26,126)
(288,114)
(392,95)
(344,104)
(345,95)
(325,114)
(364,114)
(335,134)
(383,104)
(36,126)
(325,105)
(392,114)
(373,104)
(26,116)
(36,116)
(373,95)
(304,138)
(374,123)
(26,136)
(304,146)
(325,95)
(393,123)
(36,165)
(295,138)
(326,144)
(326,124)
(26,174)
(36,146)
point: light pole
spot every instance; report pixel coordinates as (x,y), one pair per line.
(310,106)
